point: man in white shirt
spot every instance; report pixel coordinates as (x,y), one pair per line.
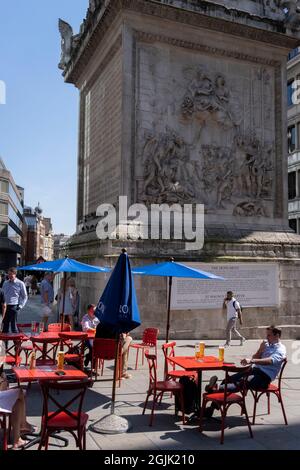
(233,313)
(89,322)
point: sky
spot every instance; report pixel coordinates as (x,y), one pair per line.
(39,122)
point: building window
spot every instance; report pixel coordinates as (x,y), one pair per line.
(291,139)
(290,92)
(3,208)
(3,230)
(293,224)
(292,185)
(4,186)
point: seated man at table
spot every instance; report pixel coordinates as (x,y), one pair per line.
(265,366)
(13,401)
(89,323)
(104,331)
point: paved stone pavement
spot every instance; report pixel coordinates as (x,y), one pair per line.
(167,432)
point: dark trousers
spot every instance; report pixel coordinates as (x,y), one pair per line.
(88,356)
(256,379)
(10,319)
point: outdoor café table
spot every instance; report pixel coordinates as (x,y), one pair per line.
(24,374)
(42,373)
(47,337)
(189,363)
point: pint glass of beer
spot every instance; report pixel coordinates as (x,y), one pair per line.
(221,353)
(60,360)
(201,349)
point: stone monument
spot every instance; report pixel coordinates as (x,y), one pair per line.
(184,102)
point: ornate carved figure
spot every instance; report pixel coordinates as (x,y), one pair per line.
(249,209)
(293,13)
(68,42)
(274,9)
(66,32)
(169,175)
(207,97)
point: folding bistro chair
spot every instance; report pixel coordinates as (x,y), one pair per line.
(158,388)
(224,399)
(272,389)
(149,340)
(68,415)
(104,350)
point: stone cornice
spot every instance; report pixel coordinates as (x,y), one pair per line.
(93,36)
(148,37)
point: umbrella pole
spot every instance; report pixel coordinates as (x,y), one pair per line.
(112,423)
(116,368)
(168,321)
(64,299)
(169,307)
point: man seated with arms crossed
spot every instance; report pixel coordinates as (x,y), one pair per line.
(265,366)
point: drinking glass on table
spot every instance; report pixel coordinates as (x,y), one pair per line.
(221,353)
(201,350)
(33,328)
(197,345)
(41,327)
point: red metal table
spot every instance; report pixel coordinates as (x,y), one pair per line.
(24,374)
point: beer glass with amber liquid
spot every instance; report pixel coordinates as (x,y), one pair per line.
(201,350)
(221,353)
(60,360)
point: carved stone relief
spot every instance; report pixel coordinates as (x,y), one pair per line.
(209,142)
(169,175)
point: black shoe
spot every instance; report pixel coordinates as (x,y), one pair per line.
(211,386)
(86,361)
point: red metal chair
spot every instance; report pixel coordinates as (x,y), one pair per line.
(149,340)
(45,349)
(158,388)
(63,418)
(104,350)
(74,340)
(274,389)
(223,400)
(169,352)
(12,352)
(26,345)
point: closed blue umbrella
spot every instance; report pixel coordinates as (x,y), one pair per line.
(117,307)
(171,269)
(118,310)
(64,265)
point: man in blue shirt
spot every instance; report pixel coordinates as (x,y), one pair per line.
(265,366)
(15,296)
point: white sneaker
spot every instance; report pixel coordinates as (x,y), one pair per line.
(242,340)
(226,345)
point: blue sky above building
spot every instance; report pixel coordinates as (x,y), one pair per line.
(39,122)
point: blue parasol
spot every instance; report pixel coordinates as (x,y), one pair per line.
(118,310)
(171,269)
(64,265)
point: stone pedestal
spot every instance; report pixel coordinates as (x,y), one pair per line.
(185,102)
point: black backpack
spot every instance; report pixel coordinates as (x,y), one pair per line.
(190,394)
